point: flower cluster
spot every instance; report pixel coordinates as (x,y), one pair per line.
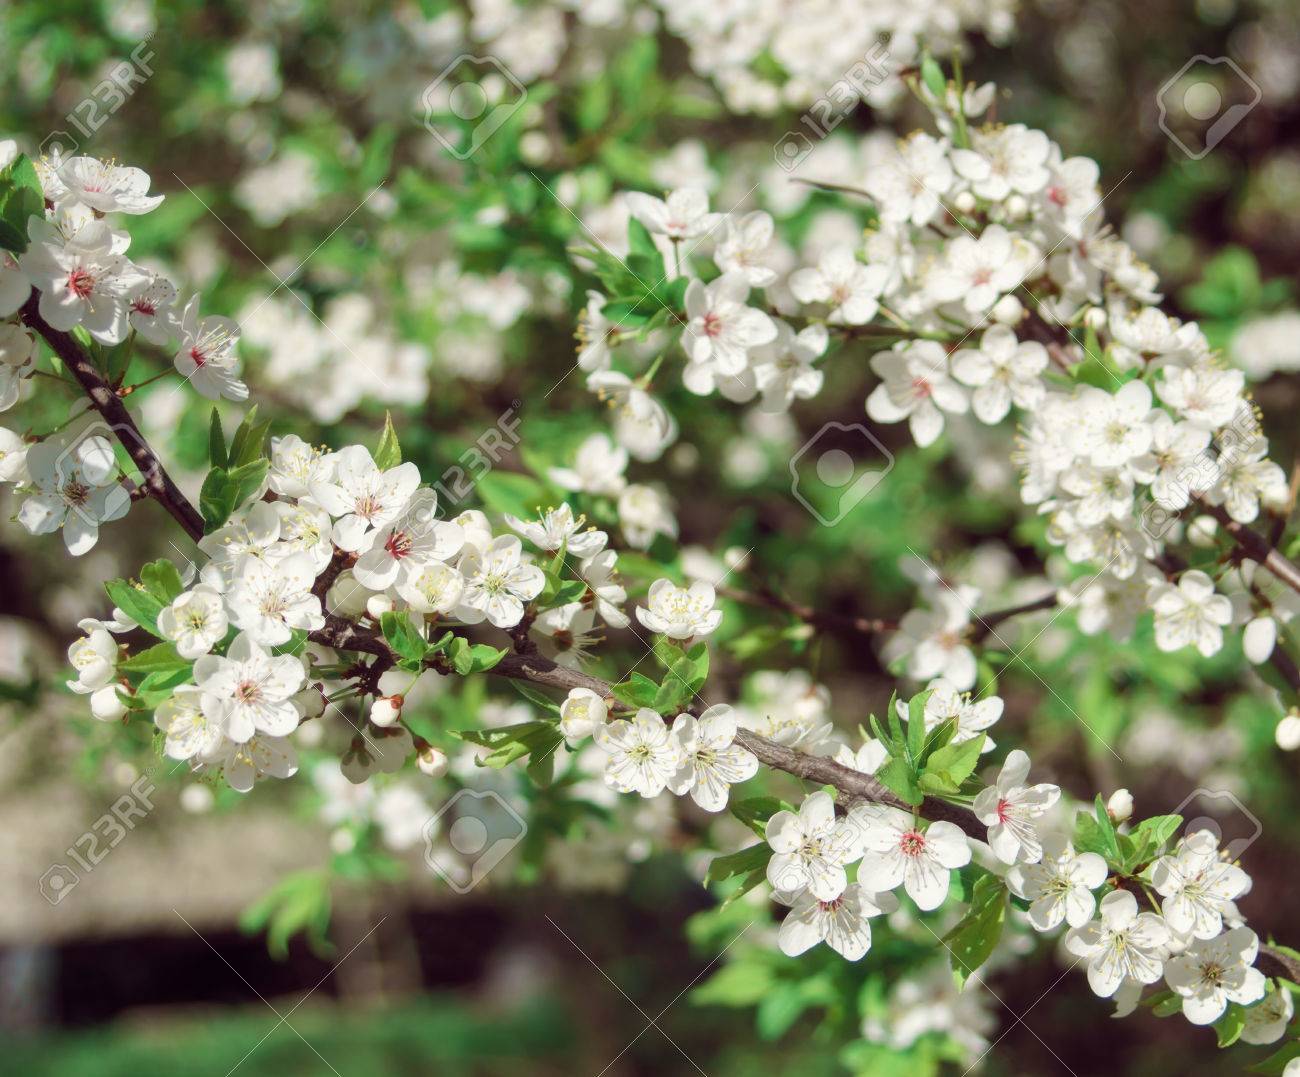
(991,267)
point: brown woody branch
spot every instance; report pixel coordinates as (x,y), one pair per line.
(110,407)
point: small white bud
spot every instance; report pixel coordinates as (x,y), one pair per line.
(310,702)
(433,761)
(346,598)
(1287,733)
(106,705)
(1095,318)
(1017,207)
(385,711)
(343,840)
(378,605)
(1120,806)
(1008,310)
(1201,531)
(581,714)
(964,202)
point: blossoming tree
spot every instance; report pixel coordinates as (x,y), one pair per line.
(331,585)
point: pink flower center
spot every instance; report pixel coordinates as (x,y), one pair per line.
(983,276)
(912,843)
(712,324)
(1056,196)
(1004,810)
(921,388)
(399,545)
(143,306)
(199,358)
(81,283)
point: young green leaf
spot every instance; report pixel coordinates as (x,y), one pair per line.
(388,454)
(973,938)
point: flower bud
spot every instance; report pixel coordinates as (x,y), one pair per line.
(346,598)
(378,605)
(1120,806)
(1008,310)
(1094,318)
(106,705)
(581,714)
(385,711)
(433,761)
(1201,531)
(964,202)
(1287,733)
(1017,207)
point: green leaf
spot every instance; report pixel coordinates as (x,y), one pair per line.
(136,603)
(299,903)
(224,490)
(973,938)
(751,858)
(483,656)
(541,761)
(21,198)
(506,491)
(162,580)
(216,442)
(737,983)
(898,776)
(1096,834)
(594,101)
(160,658)
(388,454)
(754,812)
(639,240)
(951,765)
(249,442)
(637,691)
(536,698)
(1167,1004)
(932,76)
(1275,1064)
(513,742)
(1230,1026)
(1150,836)
(405,639)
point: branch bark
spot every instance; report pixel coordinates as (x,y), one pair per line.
(105,400)
(1256,547)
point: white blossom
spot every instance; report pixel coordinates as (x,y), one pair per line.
(811,848)
(248,691)
(1060,885)
(680,612)
(915,385)
(1210,973)
(1190,613)
(643,754)
(713,762)
(1122,943)
(498,583)
(900,849)
(843,923)
(195,621)
(1197,887)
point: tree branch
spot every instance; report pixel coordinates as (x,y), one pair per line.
(105,400)
(1256,546)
